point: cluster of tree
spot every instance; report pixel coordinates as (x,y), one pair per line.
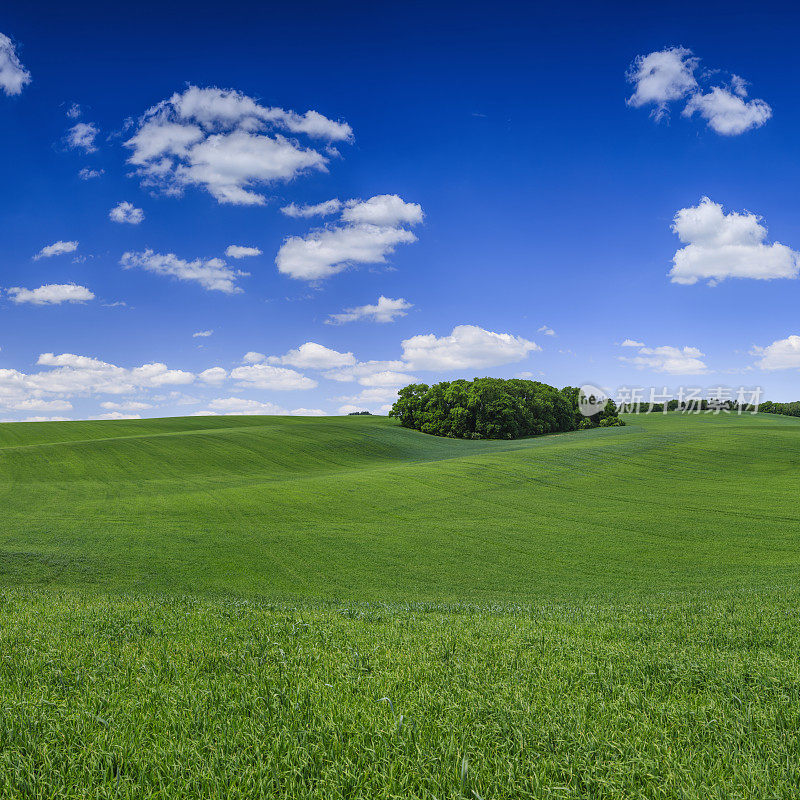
(492,408)
(359,414)
(789,409)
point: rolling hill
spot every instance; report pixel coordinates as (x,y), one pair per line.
(358,508)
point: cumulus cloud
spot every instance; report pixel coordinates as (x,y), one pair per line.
(252,357)
(727,112)
(13,76)
(781,354)
(81,136)
(39,404)
(632,343)
(467,347)
(51,294)
(266,376)
(126,406)
(671,360)
(373,399)
(240,405)
(383,210)
(387,378)
(226,143)
(314,356)
(212,274)
(126,212)
(720,245)
(58,248)
(323,209)
(87,174)
(202,334)
(118,415)
(661,77)
(668,75)
(362,371)
(369,231)
(385,310)
(237,251)
(547,331)
(213,375)
(68,375)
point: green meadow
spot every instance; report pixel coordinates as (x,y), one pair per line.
(342,608)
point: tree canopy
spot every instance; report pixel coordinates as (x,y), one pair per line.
(494,408)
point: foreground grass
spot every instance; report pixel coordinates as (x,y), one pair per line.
(164,698)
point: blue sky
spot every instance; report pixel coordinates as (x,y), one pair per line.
(524,193)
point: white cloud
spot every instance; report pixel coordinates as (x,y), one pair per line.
(202,334)
(213,375)
(467,347)
(82,135)
(661,77)
(51,294)
(781,354)
(13,76)
(87,174)
(385,310)
(74,111)
(546,331)
(239,405)
(720,246)
(668,75)
(252,357)
(364,370)
(314,356)
(58,248)
(128,405)
(126,212)
(319,210)
(237,251)
(726,112)
(369,231)
(326,252)
(69,375)
(118,415)
(265,376)
(371,399)
(632,343)
(672,360)
(212,274)
(383,210)
(227,143)
(39,419)
(387,378)
(38,404)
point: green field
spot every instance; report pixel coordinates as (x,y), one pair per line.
(339,607)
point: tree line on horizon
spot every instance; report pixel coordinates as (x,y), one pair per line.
(495,408)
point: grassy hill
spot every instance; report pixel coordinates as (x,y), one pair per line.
(267,607)
(358,508)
